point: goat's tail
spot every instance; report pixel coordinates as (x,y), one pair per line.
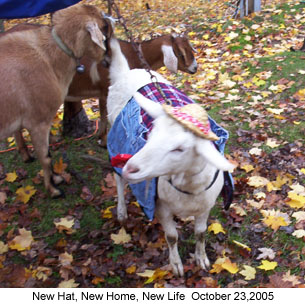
(119,64)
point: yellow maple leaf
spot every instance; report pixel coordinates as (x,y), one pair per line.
(11,177)
(268,265)
(247,168)
(59,166)
(158,274)
(224,263)
(296,200)
(25,193)
(303,170)
(248,272)
(68,284)
(275,222)
(23,241)
(216,228)
(121,238)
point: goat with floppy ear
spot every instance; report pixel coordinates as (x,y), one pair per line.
(36,69)
(178,151)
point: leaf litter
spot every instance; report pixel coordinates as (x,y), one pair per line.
(250,83)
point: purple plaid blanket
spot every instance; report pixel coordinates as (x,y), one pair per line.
(174,95)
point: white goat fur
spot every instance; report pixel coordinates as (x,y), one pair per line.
(171,152)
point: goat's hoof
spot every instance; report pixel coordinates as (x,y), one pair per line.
(56,179)
(178,269)
(57,193)
(203,262)
(122,218)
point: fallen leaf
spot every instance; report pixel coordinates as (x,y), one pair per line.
(248,272)
(65,259)
(107,213)
(247,168)
(296,200)
(268,265)
(299,233)
(216,228)
(23,241)
(65,224)
(266,253)
(287,277)
(257,181)
(242,245)
(255,151)
(132,269)
(272,143)
(68,284)
(158,274)
(3,248)
(11,177)
(224,263)
(275,222)
(299,216)
(25,193)
(59,166)
(146,273)
(121,238)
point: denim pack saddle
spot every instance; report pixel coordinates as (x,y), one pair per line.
(129,134)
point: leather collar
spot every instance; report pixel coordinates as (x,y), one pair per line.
(189,193)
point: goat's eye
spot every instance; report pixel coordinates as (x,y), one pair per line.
(178,150)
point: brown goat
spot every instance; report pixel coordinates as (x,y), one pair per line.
(36,69)
(174,52)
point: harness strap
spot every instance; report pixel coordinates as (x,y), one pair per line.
(189,193)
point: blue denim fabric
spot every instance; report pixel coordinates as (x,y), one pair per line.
(127,136)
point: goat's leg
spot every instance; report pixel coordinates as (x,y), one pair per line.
(200,228)
(122,209)
(103,117)
(171,236)
(40,139)
(22,148)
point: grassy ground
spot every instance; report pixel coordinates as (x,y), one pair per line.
(253,85)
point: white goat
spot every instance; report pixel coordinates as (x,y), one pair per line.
(184,163)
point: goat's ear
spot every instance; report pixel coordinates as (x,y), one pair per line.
(169,58)
(207,149)
(96,35)
(152,108)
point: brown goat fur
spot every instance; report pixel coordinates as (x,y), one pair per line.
(35,75)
